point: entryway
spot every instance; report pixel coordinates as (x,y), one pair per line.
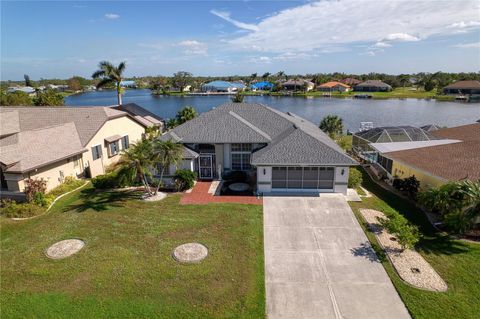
(205,166)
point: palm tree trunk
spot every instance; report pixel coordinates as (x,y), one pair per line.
(119,94)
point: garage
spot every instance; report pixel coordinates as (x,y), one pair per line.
(303,178)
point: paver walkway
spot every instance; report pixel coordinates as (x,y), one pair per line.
(200,195)
(319,263)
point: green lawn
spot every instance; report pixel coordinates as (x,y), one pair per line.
(458,262)
(126,269)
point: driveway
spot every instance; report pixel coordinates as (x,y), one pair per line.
(319,263)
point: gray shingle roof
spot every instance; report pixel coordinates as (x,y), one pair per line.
(9,123)
(27,150)
(290,138)
(146,117)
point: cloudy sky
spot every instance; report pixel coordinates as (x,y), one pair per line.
(65,38)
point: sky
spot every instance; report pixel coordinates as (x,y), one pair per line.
(60,39)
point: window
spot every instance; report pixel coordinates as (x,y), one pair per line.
(76,161)
(125,142)
(241,157)
(96,152)
(113,148)
(166,172)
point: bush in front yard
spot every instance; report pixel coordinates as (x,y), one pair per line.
(407,234)
(354,178)
(12,209)
(116,179)
(33,186)
(184,179)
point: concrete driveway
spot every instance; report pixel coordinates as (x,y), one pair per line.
(319,263)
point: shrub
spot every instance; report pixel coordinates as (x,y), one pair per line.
(184,179)
(397,225)
(409,186)
(13,209)
(33,186)
(354,178)
(115,179)
(43,200)
(69,183)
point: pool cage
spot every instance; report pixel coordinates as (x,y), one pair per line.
(361,143)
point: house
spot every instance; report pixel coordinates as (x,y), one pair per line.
(55,142)
(350,81)
(438,164)
(333,86)
(26,89)
(222,86)
(372,86)
(281,151)
(128,84)
(463,87)
(298,85)
(262,86)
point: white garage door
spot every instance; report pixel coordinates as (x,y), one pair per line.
(303,178)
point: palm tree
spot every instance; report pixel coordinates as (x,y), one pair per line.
(332,125)
(253,77)
(166,153)
(186,114)
(137,161)
(109,74)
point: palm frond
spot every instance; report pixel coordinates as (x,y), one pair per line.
(104,82)
(98,73)
(121,67)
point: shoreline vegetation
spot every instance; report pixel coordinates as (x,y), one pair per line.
(398,93)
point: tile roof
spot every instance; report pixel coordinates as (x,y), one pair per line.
(332,84)
(290,138)
(27,150)
(455,161)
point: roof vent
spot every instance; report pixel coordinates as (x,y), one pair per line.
(289,113)
(295,126)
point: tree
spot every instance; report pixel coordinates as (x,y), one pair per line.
(280,74)
(171,123)
(237,98)
(397,225)
(266,75)
(17,98)
(186,114)
(48,98)
(253,77)
(181,79)
(74,84)
(138,160)
(332,125)
(28,82)
(158,85)
(110,75)
(167,153)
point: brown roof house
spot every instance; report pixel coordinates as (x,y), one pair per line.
(298,85)
(350,81)
(438,164)
(333,86)
(463,87)
(55,142)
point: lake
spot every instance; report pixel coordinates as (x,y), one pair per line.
(414,112)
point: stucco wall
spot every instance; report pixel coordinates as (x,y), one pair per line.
(264,179)
(120,126)
(426,180)
(50,173)
(341,181)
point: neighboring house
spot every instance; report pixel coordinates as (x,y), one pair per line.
(372,86)
(56,142)
(128,84)
(350,81)
(142,115)
(26,89)
(262,86)
(463,87)
(439,164)
(298,85)
(222,86)
(333,86)
(282,152)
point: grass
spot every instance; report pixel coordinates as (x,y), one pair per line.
(456,261)
(126,269)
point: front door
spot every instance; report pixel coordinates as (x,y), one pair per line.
(205,168)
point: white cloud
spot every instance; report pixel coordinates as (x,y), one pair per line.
(307,27)
(112,16)
(401,37)
(226,16)
(468,45)
(381,44)
(194,47)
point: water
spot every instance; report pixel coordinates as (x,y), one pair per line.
(353,111)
